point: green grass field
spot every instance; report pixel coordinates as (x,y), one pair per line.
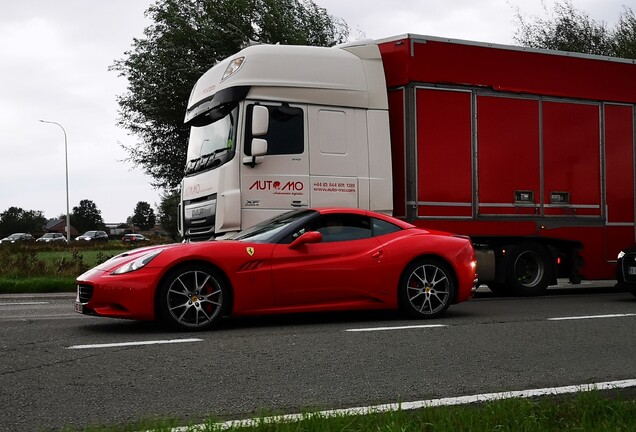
(90,257)
(47,269)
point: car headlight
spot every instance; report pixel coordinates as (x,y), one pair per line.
(140,262)
(621,254)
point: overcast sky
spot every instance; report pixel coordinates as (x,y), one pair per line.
(54,59)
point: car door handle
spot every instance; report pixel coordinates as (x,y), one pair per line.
(377,255)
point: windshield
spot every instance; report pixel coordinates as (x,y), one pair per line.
(268,231)
(212,139)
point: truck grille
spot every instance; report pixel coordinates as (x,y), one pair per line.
(629,260)
(84,293)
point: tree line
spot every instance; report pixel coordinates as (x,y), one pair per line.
(84,217)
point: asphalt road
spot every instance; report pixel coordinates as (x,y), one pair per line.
(62,369)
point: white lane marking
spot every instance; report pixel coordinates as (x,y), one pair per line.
(23,303)
(461,400)
(370,329)
(591,317)
(126,344)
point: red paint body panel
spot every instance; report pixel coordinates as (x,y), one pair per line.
(489,124)
(506,125)
(398,150)
(507,69)
(435,111)
(572,157)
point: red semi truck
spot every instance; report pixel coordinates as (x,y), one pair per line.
(528,152)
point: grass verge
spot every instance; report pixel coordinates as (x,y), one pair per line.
(35,269)
(37,284)
(588,411)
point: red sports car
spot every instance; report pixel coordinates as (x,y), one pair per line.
(306,260)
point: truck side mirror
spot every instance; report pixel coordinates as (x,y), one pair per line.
(260,120)
(259,149)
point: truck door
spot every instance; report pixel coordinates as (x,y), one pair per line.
(277,181)
(338,166)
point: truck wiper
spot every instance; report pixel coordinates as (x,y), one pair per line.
(192,165)
(205,161)
(214,153)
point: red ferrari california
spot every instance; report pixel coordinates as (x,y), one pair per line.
(306,260)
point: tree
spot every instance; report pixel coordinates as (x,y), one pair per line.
(185,40)
(168,209)
(569,29)
(143,216)
(87,216)
(16,219)
(625,35)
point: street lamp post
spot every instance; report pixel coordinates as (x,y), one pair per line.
(68,214)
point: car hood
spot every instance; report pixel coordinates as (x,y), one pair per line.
(131,255)
(177,249)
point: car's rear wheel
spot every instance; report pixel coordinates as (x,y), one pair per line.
(427,288)
(193,297)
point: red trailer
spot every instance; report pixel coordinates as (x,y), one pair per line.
(528,152)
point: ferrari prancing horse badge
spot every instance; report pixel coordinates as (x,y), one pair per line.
(250,251)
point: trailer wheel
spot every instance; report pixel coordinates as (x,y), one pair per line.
(528,269)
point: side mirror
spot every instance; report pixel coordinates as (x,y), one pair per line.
(307,238)
(259,147)
(260,120)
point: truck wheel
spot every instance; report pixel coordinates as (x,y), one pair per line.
(193,297)
(528,270)
(427,288)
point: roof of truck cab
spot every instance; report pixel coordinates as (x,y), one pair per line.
(327,72)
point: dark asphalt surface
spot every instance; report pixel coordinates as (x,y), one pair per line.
(292,363)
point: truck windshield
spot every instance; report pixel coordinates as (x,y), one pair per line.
(212,139)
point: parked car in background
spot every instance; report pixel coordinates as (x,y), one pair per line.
(626,269)
(52,238)
(93,236)
(17,237)
(134,238)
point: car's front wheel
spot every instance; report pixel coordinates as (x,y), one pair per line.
(193,297)
(427,288)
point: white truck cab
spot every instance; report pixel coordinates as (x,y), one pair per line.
(280,127)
